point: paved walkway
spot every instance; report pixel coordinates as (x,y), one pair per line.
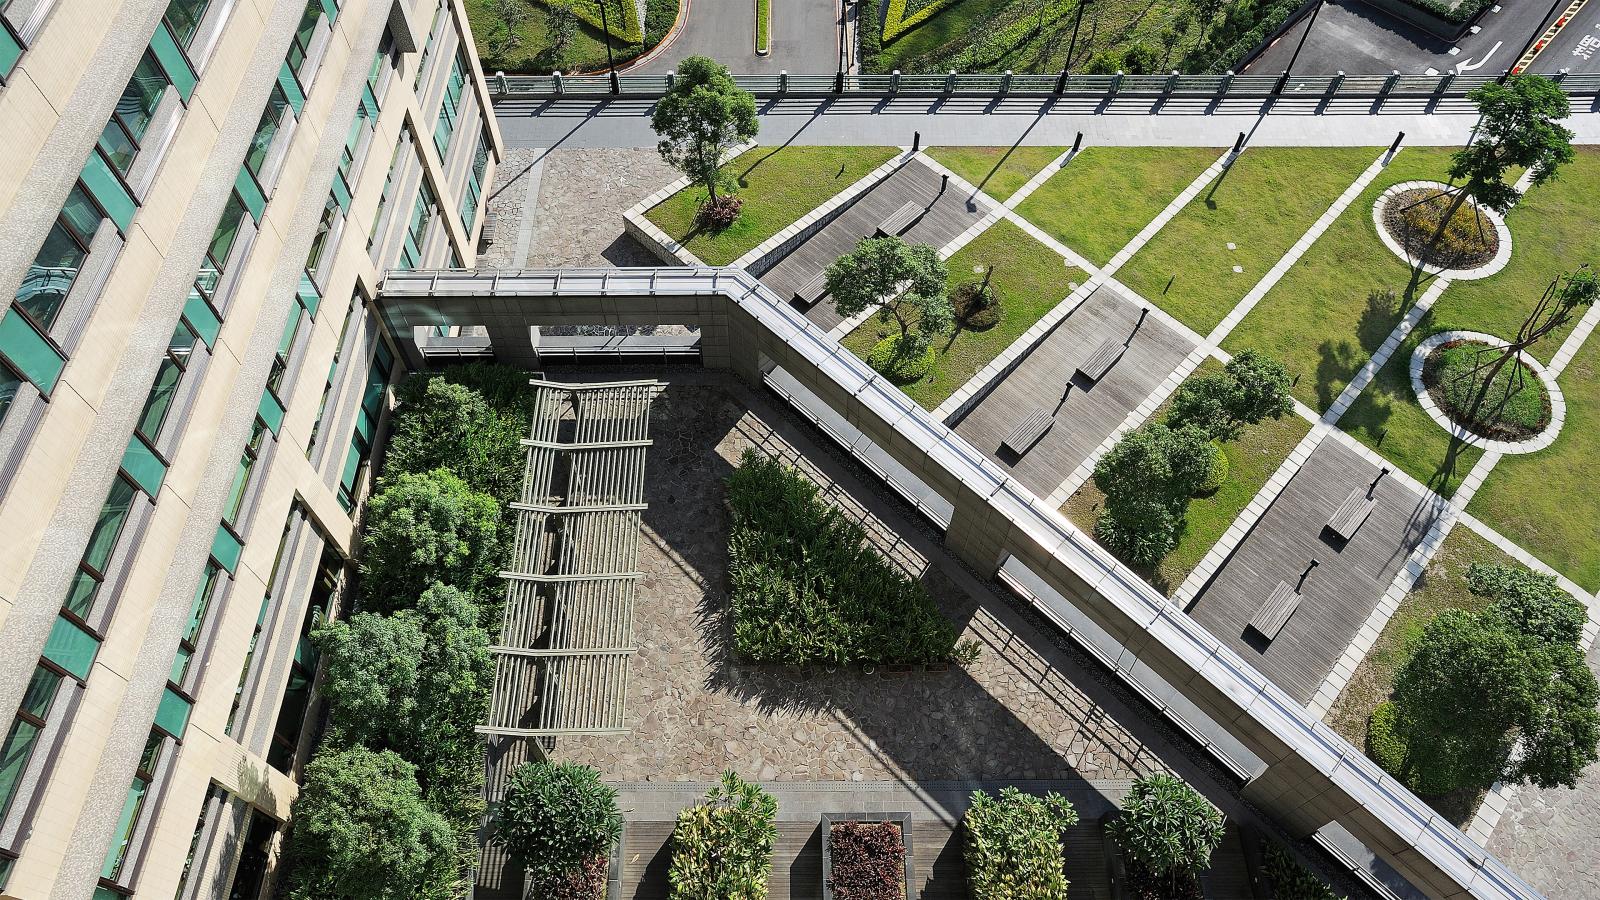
(1033,121)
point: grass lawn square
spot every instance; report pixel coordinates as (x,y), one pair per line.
(1106,195)
(1552,231)
(955,23)
(1252,459)
(1547,501)
(1262,205)
(1327,315)
(780,185)
(997,171)
(1031,279)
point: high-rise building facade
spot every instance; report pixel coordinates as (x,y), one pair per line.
(198,198)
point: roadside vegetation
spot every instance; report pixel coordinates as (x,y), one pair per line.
(537,37)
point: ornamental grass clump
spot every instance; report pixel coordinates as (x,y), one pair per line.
(806,588)
(868,861)
(1167,832)
(722,847)
(1013,845)
(560,821)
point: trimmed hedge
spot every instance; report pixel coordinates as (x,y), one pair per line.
(1460,15)
(806,588)
(623,16)
(896,23)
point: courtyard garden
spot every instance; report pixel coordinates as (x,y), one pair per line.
(778,186)
(1024,280)
(997,171)
(1223,241)
(1252,457)
(1106,195)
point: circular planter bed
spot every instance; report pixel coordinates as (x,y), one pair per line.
(1522,411)
(1475,245)
(866,856)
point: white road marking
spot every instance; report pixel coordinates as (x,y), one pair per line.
(1467,65)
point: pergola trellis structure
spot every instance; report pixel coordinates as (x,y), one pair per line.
(561,664)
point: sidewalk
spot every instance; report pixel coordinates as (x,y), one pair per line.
(1038,121)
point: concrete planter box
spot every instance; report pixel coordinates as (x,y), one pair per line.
(613,874)
(903,819)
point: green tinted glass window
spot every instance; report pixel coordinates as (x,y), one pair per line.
(14,755)
(184,17)
(51,275)
(10,383)
(266,130)
(106,529)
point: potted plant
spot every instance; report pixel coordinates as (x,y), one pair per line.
(1012,845)
(562,824)
(867,856)
(1166,831)
(722,847)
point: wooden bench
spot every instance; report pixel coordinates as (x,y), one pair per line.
(1028,432)
(807,295)
(1099,362)
(1270,618)
(899,220)
(1352,513)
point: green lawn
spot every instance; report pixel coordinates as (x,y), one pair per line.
(998,171)
(1031,279)
(1323,320)
(528,50)
(779,186)
(1546,501)
(1252,459)
(1106,195)
(1552,230)
(1386,418)
(1262,205)
(1443,586)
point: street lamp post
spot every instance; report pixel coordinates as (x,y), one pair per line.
(1532,40)
(844,25)
(1066,67)
(611,64)
(1283,81)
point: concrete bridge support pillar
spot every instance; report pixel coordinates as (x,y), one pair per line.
(514,343)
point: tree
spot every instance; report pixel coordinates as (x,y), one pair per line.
(1251,387)
(562,27)
(362,832)
(1556,308)
(1517,127)
(1528,602)
(505,34)
(555,817)
(700,118)
(1013,845)
(1475,685)
(442,424)
(428,527)
(416,682)
(1148,478)
(906,282)
(1167,828)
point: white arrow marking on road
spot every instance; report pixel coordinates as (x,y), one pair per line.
(1464,65)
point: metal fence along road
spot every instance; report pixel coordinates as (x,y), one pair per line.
(1220,87)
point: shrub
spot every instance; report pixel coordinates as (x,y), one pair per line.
(1148,478)
(868,861)
(586,882)
(901,360)
(1217,476)
(363,832)
(720,213)
(1385,746)
(1141,59)
(722,848)
(1013,845)
(426,528)
(896,23)
(1290,880)
(1529,602)
(443,424)
(977,305)
(1141,532)
(1414,216)
(556,819)
(1167,827)
(806,589)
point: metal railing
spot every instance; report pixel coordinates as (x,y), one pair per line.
(1159,87)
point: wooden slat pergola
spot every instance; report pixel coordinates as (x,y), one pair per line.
(561,663)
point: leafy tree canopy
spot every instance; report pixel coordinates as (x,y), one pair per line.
(428,527)
(1528,602)
(701,117)
(1251,387)
(906,282)
(555,817)
(440,424)
(363,832)
(1518,127)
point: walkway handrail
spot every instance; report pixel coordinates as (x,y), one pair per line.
(1408,820)
(1393,86)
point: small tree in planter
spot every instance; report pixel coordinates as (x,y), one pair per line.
(560,821)
(722,848)
(906,282)
(1168,832)
(1251,387)
(699,119)
(1013,845)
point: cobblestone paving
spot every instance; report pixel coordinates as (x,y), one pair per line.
(1552,838)
(578,216)
(695,712)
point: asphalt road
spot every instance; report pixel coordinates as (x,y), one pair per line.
(805,37)
(1352,37)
